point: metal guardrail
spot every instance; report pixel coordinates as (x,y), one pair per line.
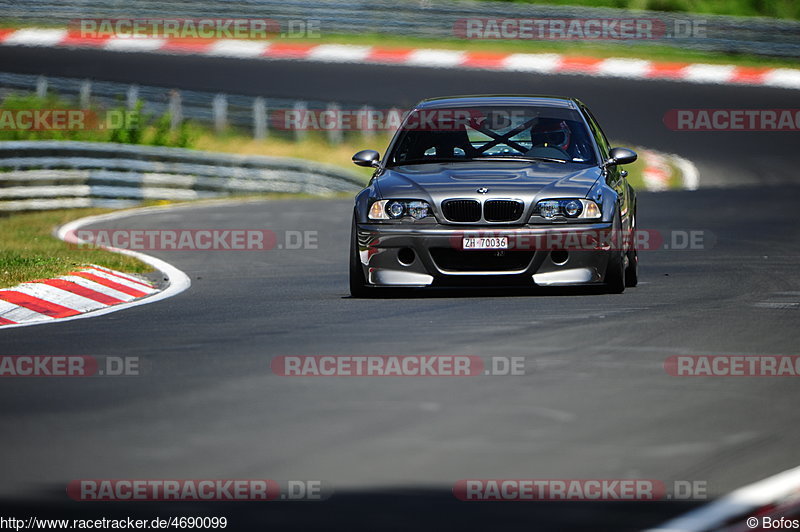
(38,175)
(421,18)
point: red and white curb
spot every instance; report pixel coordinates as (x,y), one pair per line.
(79,292)
(775,495)
(657,172)
(89,292)
(420,57)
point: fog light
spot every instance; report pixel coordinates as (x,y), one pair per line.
(406,256)
(559,256)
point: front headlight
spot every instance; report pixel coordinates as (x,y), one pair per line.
(396,209)
(418,209)
(574,209)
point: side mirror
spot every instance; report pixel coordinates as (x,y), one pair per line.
(621,156)
(367,158)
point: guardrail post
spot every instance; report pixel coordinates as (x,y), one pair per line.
(300,108)
(335,133)
(259,119)
(219,108)
(132,97)
(175,110)
(41,87)
(85,94)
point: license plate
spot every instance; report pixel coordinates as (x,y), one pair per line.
(486,242)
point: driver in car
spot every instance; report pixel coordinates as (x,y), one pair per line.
(553,137)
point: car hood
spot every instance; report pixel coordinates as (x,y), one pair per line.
(529,181)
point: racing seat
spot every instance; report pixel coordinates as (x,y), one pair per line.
(448,144)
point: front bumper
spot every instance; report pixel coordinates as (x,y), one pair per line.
(412,256)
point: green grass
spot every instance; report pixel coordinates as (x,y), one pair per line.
(313,148)
(635,170)
(138,127)
(29,251)
(789,9)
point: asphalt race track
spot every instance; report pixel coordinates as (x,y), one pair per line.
(595,402)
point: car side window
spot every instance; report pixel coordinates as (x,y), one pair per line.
(599,136)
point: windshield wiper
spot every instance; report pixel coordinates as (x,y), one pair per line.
(519,158)
(433,161)
(486,158)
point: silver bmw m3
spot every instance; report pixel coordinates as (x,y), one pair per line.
(495,191)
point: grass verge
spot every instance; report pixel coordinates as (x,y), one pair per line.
(313,148)
(788,9)
(29,251)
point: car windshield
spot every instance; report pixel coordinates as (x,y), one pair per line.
(495,132)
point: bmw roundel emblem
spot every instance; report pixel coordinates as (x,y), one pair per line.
(483,190)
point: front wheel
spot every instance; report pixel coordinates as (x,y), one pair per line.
(632,271)
(358,284)
(615,273)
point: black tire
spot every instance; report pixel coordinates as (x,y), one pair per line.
(358,284)
(615,273)
(632,271)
